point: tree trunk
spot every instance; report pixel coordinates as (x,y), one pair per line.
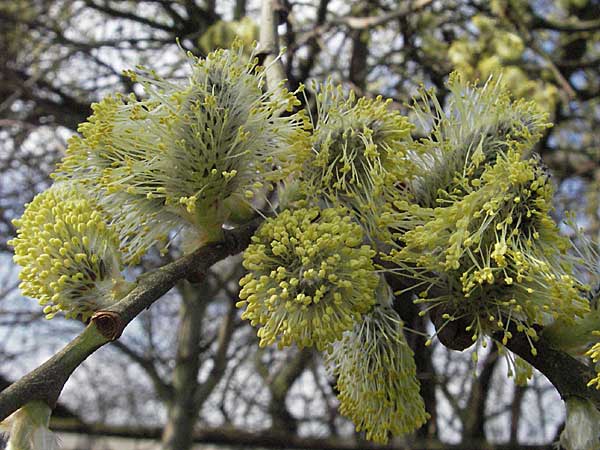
(183,410)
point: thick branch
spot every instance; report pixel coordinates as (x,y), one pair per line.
(46,382)
(266,439)
(568,375)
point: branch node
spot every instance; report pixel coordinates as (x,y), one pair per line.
(451,334)
(109,324)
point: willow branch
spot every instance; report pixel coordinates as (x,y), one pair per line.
(568,375)
(269,43)
(46,382)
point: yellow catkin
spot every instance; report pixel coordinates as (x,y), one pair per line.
(310,277)
(188,154)
(478,233)
(359,154)
(70,259)
(376,377)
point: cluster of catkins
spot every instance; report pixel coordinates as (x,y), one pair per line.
(464,213)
